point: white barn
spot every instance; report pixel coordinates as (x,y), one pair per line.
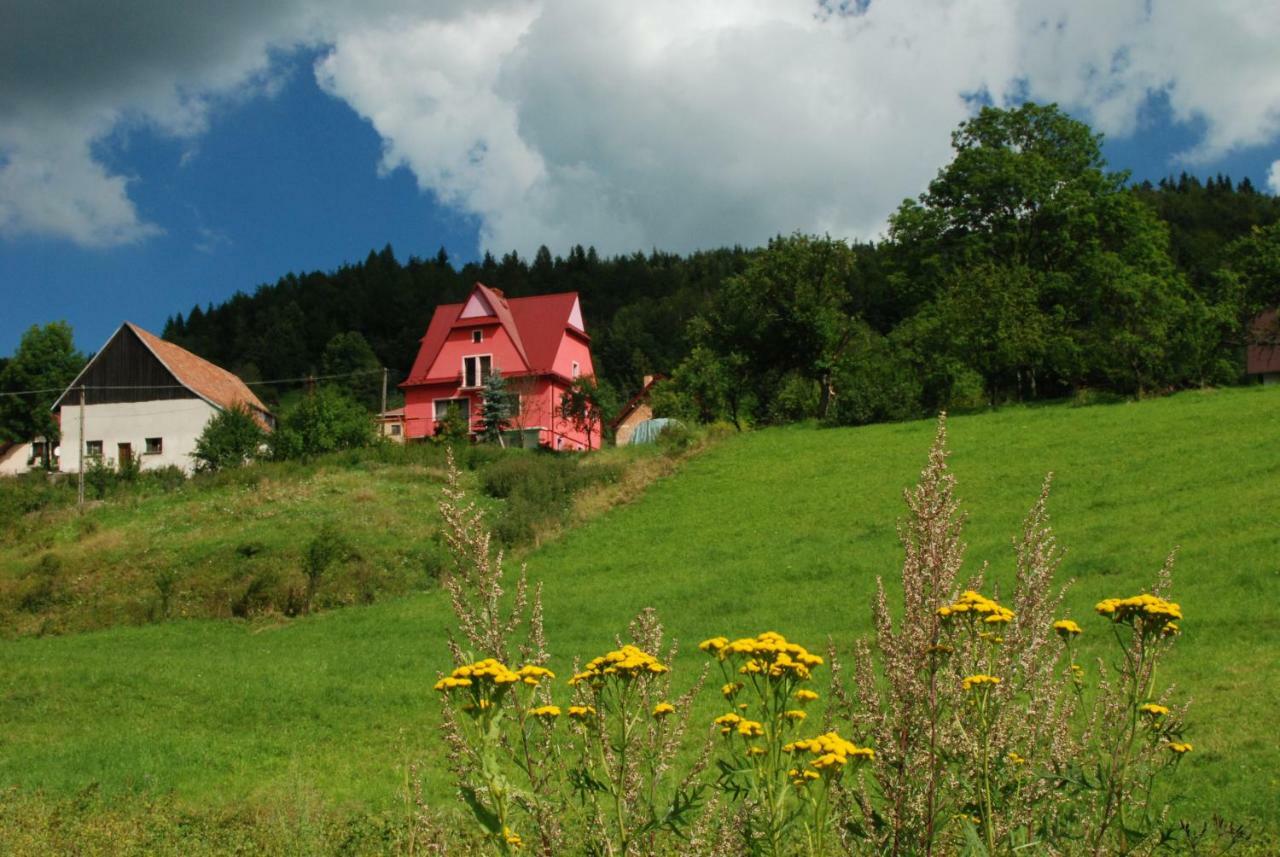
(146,401)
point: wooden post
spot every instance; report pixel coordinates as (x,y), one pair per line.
(80,493)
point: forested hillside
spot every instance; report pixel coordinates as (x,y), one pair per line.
(1025,270)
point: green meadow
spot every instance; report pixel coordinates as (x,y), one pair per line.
(784,529)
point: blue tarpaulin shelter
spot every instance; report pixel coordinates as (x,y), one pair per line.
(648,431)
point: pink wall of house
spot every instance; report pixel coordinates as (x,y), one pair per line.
(539,408)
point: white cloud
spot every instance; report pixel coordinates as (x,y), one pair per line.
(1273,177)
(664,124)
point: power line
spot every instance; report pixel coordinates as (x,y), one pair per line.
(87,388)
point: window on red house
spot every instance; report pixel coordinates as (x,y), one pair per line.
(475,370)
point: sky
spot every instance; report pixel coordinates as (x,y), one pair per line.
(157,155)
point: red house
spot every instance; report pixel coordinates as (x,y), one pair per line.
(538,343)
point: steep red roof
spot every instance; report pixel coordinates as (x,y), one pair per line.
(502,310)
(441,323)
(535,324)
(542,321)
(211,383)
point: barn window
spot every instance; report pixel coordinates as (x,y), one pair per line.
(575,370)
(475,370)
(395,429)
(477,336)
(93,448)
(155,445)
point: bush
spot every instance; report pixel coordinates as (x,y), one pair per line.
(874,383)
(231,438)
(327,548)
(32,492)
(794,399)
(675,439)
(164,479)
(99,477)
(538,488)
(44,585)
(325,421)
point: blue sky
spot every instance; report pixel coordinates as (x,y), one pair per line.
(208,151)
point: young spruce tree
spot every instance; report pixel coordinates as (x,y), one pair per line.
(495,408)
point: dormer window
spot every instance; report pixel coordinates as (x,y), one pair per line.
(477,335)
(475,370)
(575,370)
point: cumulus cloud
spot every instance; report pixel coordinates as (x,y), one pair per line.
(1273,177)
(662,124)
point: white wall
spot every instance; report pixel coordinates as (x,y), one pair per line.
(177,422)
(15,460)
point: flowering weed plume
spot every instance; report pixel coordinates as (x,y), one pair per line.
(474,583)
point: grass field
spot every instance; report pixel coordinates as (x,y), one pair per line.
(784,529)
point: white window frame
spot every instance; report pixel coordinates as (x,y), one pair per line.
(575,370)
(481,376)
(88,453)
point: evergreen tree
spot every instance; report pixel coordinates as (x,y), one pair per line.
(495,408)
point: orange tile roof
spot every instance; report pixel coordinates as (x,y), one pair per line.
(212,383)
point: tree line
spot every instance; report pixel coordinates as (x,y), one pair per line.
(1026,270)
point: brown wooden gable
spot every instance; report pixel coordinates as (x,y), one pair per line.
(125,362)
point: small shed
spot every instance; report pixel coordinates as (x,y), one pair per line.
(635,412)
(1263,358)
(391,425)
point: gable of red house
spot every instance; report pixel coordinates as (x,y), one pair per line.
(539,344)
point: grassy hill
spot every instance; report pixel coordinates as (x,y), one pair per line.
(784,529)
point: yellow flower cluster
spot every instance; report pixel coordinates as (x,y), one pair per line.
(625,663)
(1152,710)
(662,709)
(802,778)
(972,681)
(734,722)
(768,655)
(1067,629)
(1152,610)
(1179,747)
(832,752)
(976,605)
(487,671)
(731,689)
(804,695)
(794,714)
(533,675)
(512,838)
(548,712)
(582,712)
(1016,759)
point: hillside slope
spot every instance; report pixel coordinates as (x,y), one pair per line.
(784,529)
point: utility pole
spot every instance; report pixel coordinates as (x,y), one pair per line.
(80,493)
(384,390)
